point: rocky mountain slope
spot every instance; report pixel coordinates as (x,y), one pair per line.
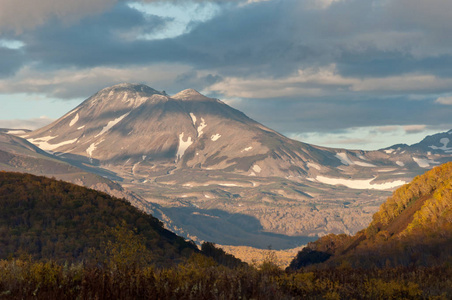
(19,155)
(414,226)
(200,159)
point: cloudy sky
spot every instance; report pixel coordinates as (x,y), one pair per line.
(361,74)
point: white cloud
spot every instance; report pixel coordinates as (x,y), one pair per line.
(326,81)
(414,128)
(74,83)
(444,100)
(305,82)
(11,44)
(32,124)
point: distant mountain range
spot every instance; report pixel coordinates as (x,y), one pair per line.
(413,227)
(198,161)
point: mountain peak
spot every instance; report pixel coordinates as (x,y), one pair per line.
(190,94)
(131,87)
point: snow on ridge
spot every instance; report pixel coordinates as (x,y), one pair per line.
(215,137)
(112,123)
(424,163)
(361,184)
(72,112)
(201,127)
(193,118)
(389,151)
(74,120)
(344,158)
(445,142)
(183,146)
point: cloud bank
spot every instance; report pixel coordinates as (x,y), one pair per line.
(296,66)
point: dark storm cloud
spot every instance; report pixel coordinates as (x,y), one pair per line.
(271,38)
(109,39)
(23,15)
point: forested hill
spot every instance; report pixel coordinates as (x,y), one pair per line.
(413,227)
(49,219)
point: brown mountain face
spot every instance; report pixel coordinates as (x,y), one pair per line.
(413,227)
(19,155)
(138,127)
(205,162)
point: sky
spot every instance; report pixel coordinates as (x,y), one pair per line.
(356,74)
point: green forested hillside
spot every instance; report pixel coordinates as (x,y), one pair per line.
(49,219)
(413,227)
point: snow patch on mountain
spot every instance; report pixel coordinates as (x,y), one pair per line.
(363,164)
(43,143)
(313,166)
(257,169)
(201,127)
(72,112)
(389,151)
(112,123)
(183,146)
(424,163)
(91,149)
(50,147)
(362,157)
(445,142)
(74,120)
(344,159)
(134,167)
(361,184)
(399,163)
(228,184)
(81,127)
(247,149)
(215,137)
(193,118)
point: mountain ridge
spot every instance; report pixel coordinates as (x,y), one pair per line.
(201,154)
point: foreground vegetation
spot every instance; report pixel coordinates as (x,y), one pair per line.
(60,241)
(201,278)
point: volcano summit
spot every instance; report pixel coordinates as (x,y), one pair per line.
(220,176)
